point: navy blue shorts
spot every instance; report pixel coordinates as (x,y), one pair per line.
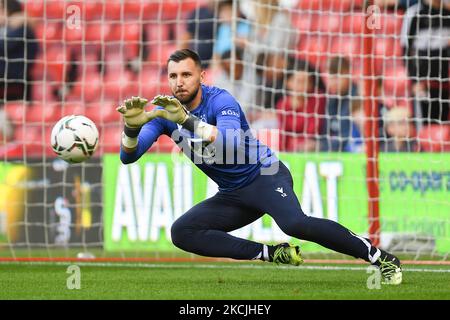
(204,229)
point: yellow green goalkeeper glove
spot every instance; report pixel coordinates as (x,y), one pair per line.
(173,109)
(133,112)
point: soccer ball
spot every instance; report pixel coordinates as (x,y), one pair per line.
(74,138)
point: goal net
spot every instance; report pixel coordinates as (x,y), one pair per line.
(352,94)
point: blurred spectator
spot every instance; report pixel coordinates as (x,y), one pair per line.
(426,44)
(395,4)
(300,112)
(400,132)
(434,138)
(18,50)
(230,77)
(6,128)
(271,71)
(272,68)
(356,141)
(342,96)
(224,30)
(270,37)
(271,29)
(200,32)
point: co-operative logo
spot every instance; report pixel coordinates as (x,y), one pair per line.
(420,181)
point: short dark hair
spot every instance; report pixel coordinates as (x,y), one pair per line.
(239,52)
(339,65)
(11,6)
(184,54)
(225,3)
(296,64)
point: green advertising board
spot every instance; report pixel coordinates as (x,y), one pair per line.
(142,200)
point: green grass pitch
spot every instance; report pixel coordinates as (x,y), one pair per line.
(211,281)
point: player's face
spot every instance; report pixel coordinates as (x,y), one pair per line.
(185,78)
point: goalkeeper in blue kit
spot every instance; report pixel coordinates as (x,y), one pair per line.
(208,124)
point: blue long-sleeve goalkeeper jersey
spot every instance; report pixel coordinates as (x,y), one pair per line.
(235,158)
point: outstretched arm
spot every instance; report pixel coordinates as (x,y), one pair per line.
(137,137)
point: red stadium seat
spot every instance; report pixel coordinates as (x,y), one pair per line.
(74,36)
(164,85)
(47,113)
(126,31)
(141,9)
(157,33)
(47,139)
(34,8)
(211,76)
(49,32)
(314,49)
(386,48)
(148,82)
(27,134)
(385,23)
(435,138)
(87,88)
(302,22)
(42,91)
(352,46)
(89,9)
(98,32)
(329,5)
(187,5)
(146,90)
(55,9)
(390,23)
(171,9)
(15,111)
(161,53)
(31,140)
(117,85)
(47,9)
(270,137)
(115,59)
(396,82)
(110,139)
(164,144)
(133,7)
(349,46)
(353,23)
(112,9)
(129,34)
(72,108)
(87,63)
(56,61)
(317,22)
(103,112)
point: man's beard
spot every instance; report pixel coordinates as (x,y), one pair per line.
(189,98)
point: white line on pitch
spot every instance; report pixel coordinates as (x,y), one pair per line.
(209,266)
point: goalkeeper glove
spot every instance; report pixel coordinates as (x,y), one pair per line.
(173,109)
(135,117)
(133,112)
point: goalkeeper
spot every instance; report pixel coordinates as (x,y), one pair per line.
(209,126)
